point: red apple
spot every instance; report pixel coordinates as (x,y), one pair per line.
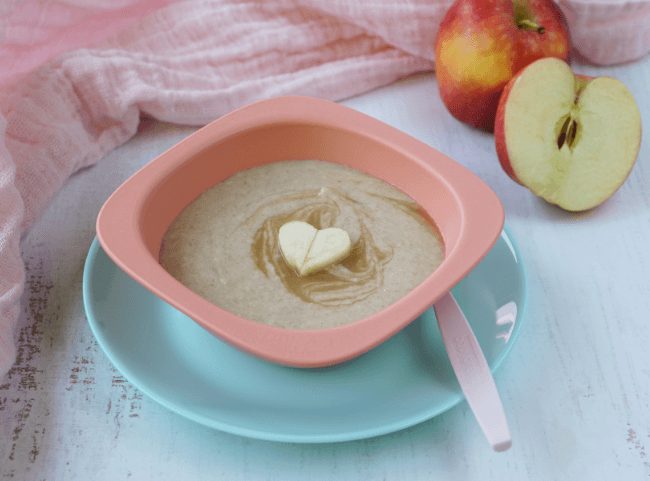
(482,44)
(570,139)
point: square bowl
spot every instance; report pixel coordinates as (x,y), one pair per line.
(467,214)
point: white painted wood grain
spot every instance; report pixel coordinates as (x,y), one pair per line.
(576,388)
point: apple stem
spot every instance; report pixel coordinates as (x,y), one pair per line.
(526,24)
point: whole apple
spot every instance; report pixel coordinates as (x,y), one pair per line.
(482,44)
(570,139)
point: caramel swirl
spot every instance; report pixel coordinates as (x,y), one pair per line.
(224,245)
(354,278)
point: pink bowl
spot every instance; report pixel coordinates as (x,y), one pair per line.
(132,222)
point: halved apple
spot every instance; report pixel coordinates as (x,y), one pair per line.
(570,139)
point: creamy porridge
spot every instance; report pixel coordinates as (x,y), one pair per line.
(224,245)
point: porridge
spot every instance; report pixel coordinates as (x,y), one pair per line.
(224,245)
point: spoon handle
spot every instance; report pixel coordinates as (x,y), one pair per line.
(472,372)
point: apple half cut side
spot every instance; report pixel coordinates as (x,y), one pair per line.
(570,139)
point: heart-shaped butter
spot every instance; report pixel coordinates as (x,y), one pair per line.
(307,250)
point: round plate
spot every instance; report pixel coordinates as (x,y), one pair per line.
(404,381)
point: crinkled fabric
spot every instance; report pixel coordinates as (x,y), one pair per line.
(77,75)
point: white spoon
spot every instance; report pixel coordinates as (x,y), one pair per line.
(472,372)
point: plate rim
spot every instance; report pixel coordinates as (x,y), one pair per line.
(267,435)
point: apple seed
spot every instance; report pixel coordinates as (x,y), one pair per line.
(567,133)
(571,135)
(563,133)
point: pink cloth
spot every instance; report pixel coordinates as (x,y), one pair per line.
(34,31)
(608,32)
(191,62)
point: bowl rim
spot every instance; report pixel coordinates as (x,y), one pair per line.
(119,231)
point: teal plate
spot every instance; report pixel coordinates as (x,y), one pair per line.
(402,382)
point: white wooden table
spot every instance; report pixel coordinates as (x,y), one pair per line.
(576,388)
